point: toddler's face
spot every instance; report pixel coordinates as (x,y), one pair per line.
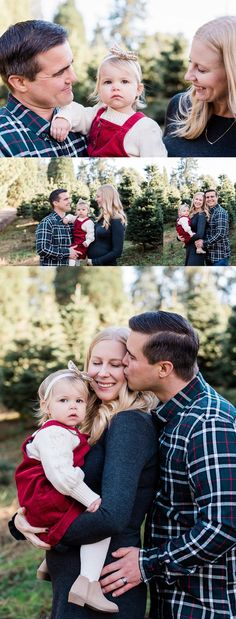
(67,402)
(185,211)
(82,210)
(118,87)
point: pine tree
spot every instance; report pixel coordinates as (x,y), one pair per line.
(61,172)
(206,314)
(173,66)
(128,187)
(186,173)
(229,351)
(227,196)
(123,19)
(145,219)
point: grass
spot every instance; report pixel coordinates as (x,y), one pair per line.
(174,251)
(18,247)
(21,595)
(134,255)
(18,243)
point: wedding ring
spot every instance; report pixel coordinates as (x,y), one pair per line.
(124,580)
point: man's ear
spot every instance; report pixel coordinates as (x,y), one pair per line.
(18,83)
(165,368)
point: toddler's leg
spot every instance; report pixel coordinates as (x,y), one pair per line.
(72,262)
(86,588)
(42,571)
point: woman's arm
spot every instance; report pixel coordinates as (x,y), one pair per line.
(117,240)
(130,444)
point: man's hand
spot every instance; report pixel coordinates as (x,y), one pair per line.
(59,129)
(73,253)
(124,574)
(21,523)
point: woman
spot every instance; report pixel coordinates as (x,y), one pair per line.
(109,229)
(121,465)
(202,121)
(199,215)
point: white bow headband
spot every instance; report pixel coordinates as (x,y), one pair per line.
(73,371)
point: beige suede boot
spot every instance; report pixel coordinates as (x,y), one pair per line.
(42,571)
(90,593)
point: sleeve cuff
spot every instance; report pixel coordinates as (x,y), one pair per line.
(84,494)
(13,530)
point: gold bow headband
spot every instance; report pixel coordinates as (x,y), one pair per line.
(73,370)
(120,53)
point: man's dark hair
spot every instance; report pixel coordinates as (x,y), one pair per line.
(21,43)
(55,195)
(172,338)
(208,190)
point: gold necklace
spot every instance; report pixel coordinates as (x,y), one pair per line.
(221,136)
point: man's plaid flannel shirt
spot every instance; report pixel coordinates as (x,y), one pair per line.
(216,241)
(191,531)
(53,241)
(25,134)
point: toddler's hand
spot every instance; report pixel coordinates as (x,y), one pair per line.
(59,129)
(94,506)
(66,220)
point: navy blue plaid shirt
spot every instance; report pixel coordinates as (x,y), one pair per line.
(216,241)
(25,134)
(53,241)
(191,531)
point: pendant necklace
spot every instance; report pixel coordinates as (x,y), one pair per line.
(221,136)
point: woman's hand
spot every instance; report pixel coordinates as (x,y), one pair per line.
(28,531)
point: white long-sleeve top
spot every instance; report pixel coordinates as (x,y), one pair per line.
(183,221)
(144,139)
(54,448)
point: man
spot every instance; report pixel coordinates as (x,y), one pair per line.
(191,531)
(53,236)
(216,242)
(36,65)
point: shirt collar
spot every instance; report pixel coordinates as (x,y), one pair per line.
(28,118)
(183,399)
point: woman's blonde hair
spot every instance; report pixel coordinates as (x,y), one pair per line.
(205,208)
(193,115)
(45,393)
(125,63)
(111,207)
(99,414)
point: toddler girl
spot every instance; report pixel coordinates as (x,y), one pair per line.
(50,481)
(83,230)
(114,127)
(183,226)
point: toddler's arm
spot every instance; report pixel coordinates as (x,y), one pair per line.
(149,137)
(54,447)
(183,221)
(89,225)
(73,117)
(69,218)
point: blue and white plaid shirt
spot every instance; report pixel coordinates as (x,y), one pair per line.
(190,542)
(216,242)
(25,134)
(53,241)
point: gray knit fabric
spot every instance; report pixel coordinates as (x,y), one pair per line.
(125,461)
